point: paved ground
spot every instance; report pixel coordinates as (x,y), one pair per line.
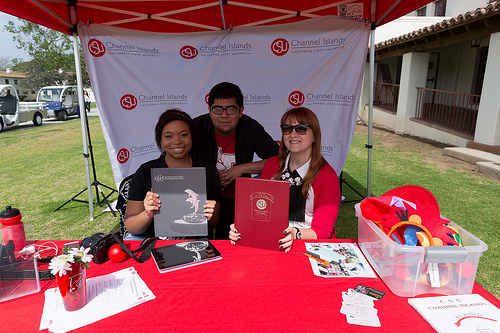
(48,121)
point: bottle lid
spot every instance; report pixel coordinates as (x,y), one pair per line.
(9,212)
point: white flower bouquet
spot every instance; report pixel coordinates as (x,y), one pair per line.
(69,269)
(63,263)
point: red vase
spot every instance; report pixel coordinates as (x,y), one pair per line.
(73,287)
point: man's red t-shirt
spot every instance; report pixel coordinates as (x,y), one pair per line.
(226,158)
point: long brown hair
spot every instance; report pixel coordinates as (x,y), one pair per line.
(303,116)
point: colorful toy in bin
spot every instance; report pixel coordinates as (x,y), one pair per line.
(410,205)
(417,270)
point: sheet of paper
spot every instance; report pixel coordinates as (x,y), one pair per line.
(106,296)
(354,264)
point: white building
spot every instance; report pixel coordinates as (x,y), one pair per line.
(16,79)
(437,74)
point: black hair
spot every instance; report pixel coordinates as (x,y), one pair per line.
(225,90)
(172,115)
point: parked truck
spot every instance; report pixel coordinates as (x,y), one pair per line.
(13,112)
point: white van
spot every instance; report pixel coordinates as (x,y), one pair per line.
(61,101)
(13,112)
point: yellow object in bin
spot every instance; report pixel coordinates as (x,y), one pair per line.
(407,270)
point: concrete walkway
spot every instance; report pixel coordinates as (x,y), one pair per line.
(485,162)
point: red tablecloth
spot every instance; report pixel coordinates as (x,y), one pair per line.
(249,290)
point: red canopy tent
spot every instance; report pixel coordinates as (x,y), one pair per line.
(196,15)
(200,15)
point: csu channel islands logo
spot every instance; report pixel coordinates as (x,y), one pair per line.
(296,98)
(188,52)
(128,102)
(96,48)
(280,47)
(123,155)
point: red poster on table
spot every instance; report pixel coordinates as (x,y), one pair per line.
(261,211)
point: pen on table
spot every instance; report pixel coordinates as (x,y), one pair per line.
(317,259)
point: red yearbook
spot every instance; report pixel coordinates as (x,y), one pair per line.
(261,211)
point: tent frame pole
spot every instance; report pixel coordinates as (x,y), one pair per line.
(369,145)
(83,118)
(87,146)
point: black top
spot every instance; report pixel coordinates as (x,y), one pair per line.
(141,182)
(250,138)
(297,206)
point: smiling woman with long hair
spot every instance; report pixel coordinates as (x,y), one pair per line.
(314,185)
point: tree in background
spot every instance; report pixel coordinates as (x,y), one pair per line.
(51,52)
(5,62)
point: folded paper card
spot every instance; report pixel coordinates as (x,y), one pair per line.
(458,313)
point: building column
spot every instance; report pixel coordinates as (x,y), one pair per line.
(365,92)
(488,118)
(413,75)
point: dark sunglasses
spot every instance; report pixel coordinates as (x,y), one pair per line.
(299,129)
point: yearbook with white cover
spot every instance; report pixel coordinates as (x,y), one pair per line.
(458,313)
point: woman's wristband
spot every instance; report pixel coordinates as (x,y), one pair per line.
(298,233)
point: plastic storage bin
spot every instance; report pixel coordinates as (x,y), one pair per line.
(407,270)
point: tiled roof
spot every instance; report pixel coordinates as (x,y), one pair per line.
(480,13)
(13,74)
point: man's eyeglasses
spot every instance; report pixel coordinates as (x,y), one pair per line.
(230,110)
(299,129)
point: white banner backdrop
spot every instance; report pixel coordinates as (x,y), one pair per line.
(136,76)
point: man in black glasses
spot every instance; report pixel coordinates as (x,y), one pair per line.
(228,139)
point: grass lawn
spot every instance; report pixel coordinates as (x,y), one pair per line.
(43,167)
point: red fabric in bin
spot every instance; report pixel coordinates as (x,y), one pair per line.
(417,201)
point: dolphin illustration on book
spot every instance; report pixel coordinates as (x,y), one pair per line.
(191,221)
(183,192)
(193,199)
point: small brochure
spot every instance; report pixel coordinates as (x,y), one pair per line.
(181,255)
(458,313)
(183,192)
(106,295)
(338,260)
